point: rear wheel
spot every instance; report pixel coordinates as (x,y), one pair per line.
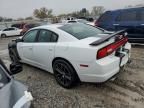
(64,74)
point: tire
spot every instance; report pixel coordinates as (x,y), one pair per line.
(65,74)
(3,35)
(11,55)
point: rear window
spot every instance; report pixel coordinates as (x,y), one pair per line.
(127,16)
(81,31)
(107,16)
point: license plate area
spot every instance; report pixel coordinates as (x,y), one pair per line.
(123,55)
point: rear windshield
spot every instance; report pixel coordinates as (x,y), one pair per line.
(81,31)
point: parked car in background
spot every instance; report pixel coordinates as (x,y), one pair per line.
(82,21)
(13,94)
(20,25)
(131,19)
(12,31)
(73,52)
(90,19)
(26,27)
(78,21)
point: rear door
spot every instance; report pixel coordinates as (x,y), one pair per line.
(11,32)
(140,26)
(127,19)
(44,49)
(16,31)
(8,31)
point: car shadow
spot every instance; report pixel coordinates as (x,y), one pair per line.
(138,45)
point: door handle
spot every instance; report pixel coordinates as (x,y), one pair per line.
(116,24)
(142,24)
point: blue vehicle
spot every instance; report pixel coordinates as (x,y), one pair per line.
(131,19)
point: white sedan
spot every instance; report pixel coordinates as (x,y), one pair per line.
(10,32)
(73,52)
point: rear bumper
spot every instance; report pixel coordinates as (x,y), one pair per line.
(102,70)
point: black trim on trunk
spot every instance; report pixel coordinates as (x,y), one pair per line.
(104,39)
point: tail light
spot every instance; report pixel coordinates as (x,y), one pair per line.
(111,48)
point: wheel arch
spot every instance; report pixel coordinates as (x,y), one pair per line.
(13,47)
(61,58)
(3,34)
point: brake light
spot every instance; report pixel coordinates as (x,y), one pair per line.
(111,48)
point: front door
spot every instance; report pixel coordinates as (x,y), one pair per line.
(25,48)
(44,49)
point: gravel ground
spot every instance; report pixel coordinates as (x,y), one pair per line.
(126,91)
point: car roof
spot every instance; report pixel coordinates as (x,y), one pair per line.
(129,8)
(53,25)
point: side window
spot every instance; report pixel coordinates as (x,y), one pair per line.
(10,29)
(6,30)
(107,16)
(30,36)
(44,36)
(47,36)
(127,16)
(54,37)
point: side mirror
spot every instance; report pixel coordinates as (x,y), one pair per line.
(15,68)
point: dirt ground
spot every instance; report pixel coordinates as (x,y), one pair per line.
(126,91)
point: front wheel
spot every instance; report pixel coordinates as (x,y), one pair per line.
(64,74)
(3,35)
(11,55)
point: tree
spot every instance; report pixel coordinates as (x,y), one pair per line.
(20,19)
(79,14)
(97,10)
(1,19)
(43,13)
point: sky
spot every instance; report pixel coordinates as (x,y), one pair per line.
(24,8)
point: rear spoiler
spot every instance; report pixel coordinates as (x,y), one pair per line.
(104,39)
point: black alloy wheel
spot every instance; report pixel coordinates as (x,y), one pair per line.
(64,74)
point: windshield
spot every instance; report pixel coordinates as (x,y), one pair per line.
(81,31)
(3,77)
